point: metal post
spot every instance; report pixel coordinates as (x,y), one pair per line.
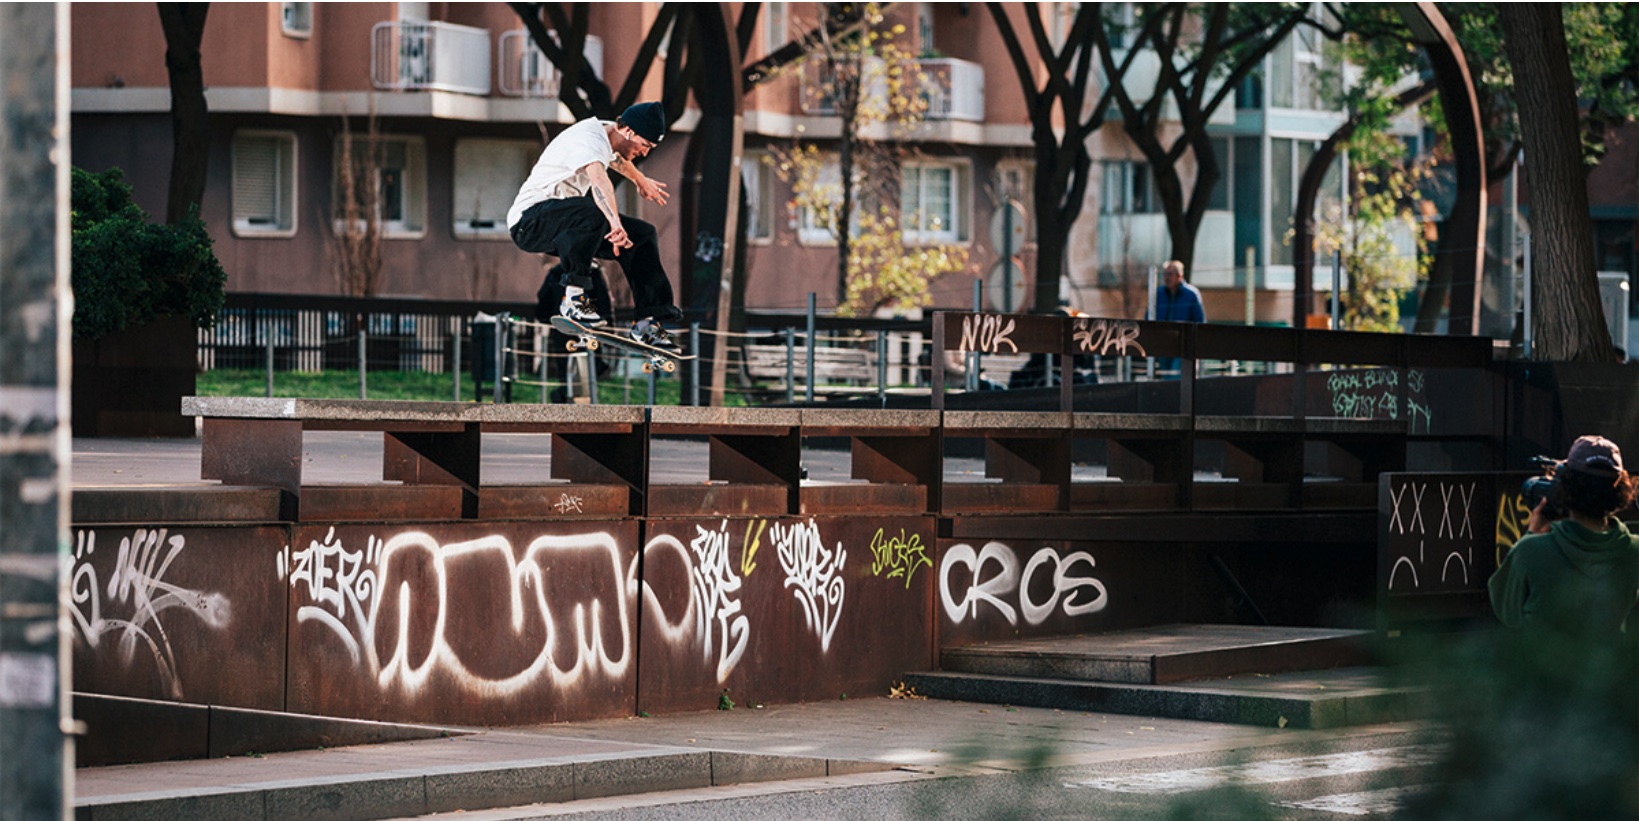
(36,769)
(455,361)
(1527,338)
(1337,287)
(694,364)
(1149,362)
(1251,282)
(882,366)
(790,365)
(363,368)
(540,365)
(652,377)
(971,382)
(267,358)
(808,389)
(500,330)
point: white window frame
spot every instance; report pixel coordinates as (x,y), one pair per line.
(809,229)
(296,20)
(757,189)
(960,196)
(494,156)
(284,184)
(1118,177)
(776,27)
(413,222)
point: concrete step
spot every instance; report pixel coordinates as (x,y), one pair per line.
(1165,654)
(1304,700)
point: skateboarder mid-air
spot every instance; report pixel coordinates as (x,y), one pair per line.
(567,209)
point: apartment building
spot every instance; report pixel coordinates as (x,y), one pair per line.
(463,103)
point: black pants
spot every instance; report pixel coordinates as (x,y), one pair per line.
(573,230)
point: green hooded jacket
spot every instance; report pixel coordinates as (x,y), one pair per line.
(1570,578)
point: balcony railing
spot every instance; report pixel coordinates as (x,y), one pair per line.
(954,89)
(523,71)
(412,55)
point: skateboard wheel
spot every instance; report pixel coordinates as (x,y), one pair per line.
(592,344)
(571,345)
(669,366)
(648,367)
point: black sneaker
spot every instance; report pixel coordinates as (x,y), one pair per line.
(579,308)
(655,335)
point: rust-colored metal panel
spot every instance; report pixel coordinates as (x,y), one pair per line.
(974,497)
(719,499)
(363,503)
(469,623)
(178,613)
(783,609)
(553,501)
(864,499)
(266,452)
(1000,589)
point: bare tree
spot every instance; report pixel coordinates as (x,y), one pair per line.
(356,261)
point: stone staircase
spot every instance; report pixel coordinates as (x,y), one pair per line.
(1266,676)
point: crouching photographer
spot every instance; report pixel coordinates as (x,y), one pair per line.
(1578,569)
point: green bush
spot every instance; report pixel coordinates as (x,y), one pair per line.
(126,270)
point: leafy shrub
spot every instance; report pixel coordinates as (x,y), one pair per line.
(126,270)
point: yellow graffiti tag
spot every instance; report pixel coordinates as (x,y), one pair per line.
(753,540)
(1512,516)
(899,555)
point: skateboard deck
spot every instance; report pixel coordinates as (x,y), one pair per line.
(592,338)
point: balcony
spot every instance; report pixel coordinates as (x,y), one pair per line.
(523,71)
(413,55)
(954,89)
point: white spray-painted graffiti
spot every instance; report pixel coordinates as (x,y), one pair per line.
(814,574)
(1453,536)
(1103,336)
(714,614)
(138,588)
(1076,595)
(356,583)
(988,333)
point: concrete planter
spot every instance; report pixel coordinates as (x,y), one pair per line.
(131,383)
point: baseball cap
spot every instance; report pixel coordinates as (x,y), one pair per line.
(1594,455)
(646,120)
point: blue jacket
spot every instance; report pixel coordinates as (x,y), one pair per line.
(1185,307)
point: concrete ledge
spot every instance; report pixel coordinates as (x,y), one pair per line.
(976,423)
(1129,422)
(374,413)
(626,775)
(483,788)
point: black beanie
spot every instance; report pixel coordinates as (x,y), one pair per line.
(646,120)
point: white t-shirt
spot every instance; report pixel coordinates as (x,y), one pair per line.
(558,173)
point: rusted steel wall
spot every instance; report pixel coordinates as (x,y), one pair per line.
(782,609)
(492,623)
(994,590)
(506,622)
(179,613)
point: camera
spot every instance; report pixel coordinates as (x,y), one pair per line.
(1541,487)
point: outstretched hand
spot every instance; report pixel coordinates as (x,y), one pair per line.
(652,191)
(617,239)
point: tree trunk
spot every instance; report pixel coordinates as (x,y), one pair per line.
(184,25)
(1568,323)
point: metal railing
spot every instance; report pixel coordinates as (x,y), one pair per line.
(522,70)
(413,55)
(954,89)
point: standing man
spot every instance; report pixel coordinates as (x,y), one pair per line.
(1176,301)
(567,208)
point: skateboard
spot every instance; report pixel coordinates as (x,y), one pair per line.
(593,338)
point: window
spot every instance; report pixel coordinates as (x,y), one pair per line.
(934,202)
(264,183)
(814,224)
(487,176)
(1126,189)
(1016,180)
(924,29)
(296,19)
(758,191)
(775,31)
(399,168)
